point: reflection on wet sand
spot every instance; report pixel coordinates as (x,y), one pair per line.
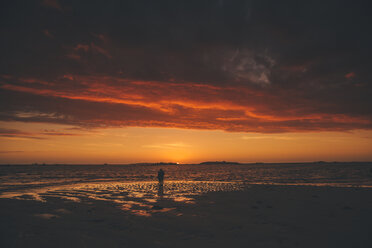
(139,198)
(160,190)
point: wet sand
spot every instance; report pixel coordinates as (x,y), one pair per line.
(253,216)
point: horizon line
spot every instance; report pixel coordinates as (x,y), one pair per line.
(196,163)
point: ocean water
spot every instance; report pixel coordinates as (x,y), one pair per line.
(18,177)
(134,188)
(327,174)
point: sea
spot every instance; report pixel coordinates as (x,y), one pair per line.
(74,182)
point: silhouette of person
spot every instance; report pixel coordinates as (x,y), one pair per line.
(161,176)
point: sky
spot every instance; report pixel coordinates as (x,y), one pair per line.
(185,81)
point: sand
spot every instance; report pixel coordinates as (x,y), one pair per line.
(255,216)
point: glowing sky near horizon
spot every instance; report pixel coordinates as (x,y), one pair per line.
(145,81)
(63,144)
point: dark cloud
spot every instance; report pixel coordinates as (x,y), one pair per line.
(14,133)
(265,66)
(52,4)
(11,151)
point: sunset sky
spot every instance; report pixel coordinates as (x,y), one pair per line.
(185,81)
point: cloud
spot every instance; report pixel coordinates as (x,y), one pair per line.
(47,33)
(113,101)
(11,152)
(89,48)
(52,4)
(18,134)
(248,66)
(14,133)
(240,66)
(73,56)
(268,137)
(60,134)
(350,75)
(168,146)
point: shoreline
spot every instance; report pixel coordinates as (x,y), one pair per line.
(258,216)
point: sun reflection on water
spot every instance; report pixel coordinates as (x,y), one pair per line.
(138,198)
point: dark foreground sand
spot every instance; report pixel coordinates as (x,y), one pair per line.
(260,216)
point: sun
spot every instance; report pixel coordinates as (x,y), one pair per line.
(178,157)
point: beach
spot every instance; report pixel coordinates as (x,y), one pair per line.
(185,124)
(238,215)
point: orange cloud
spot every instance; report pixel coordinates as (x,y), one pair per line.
(123,102)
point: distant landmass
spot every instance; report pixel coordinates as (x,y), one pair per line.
(219,162)
(202,163)
(159,163)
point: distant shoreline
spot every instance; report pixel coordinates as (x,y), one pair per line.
(196,164)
